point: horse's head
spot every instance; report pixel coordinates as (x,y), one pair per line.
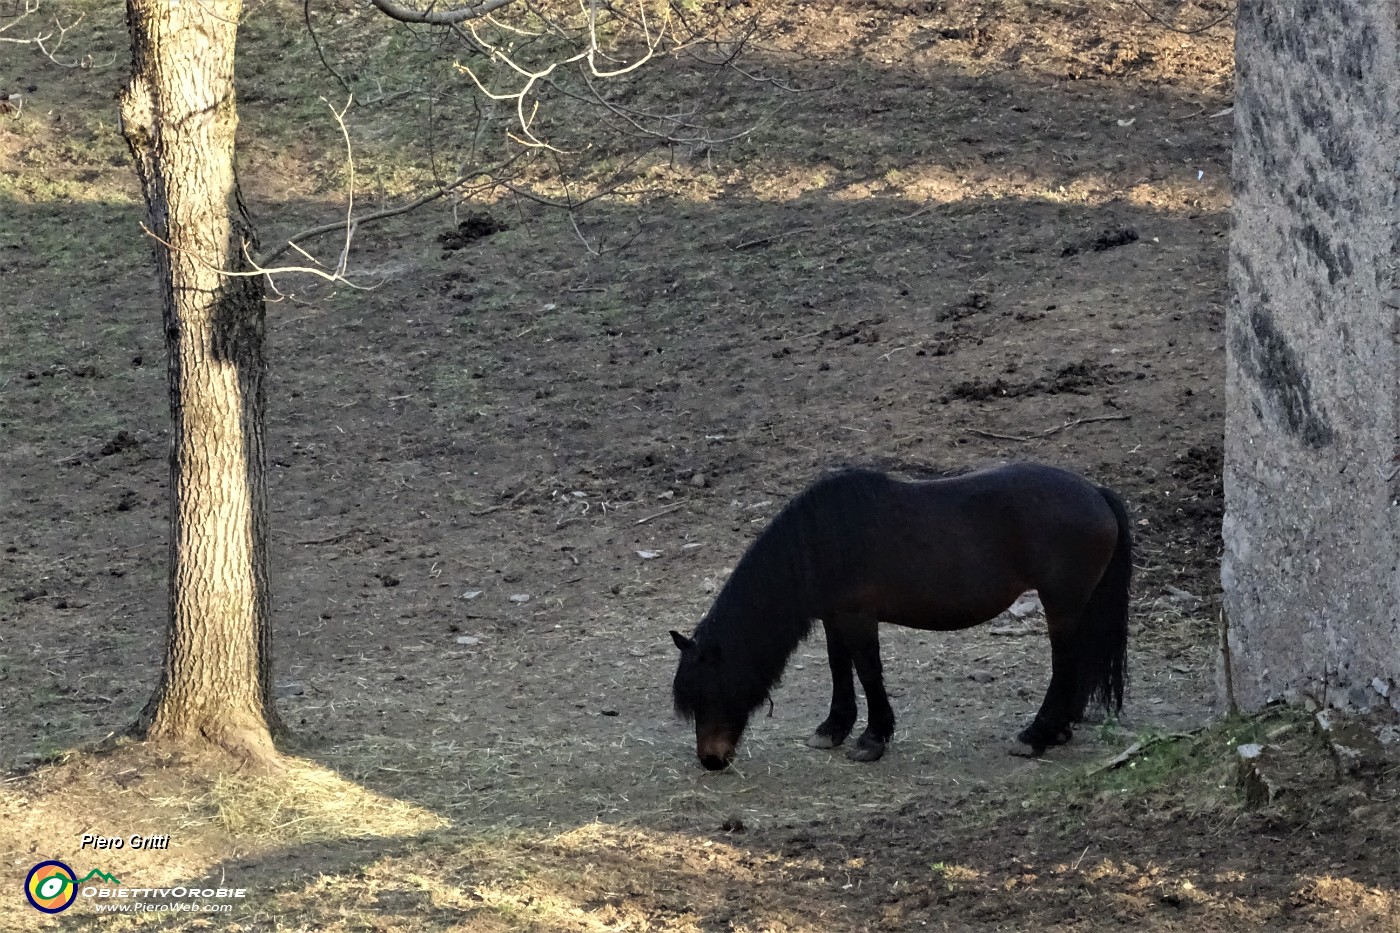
(701,696)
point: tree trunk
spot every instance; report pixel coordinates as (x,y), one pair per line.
(1310,571)
(178,117)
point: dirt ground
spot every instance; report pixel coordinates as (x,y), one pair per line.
(977,231)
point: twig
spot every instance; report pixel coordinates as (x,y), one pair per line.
(330,540)
(1120,759)
(1175,28)
(770,238)
(349,184)
(388,212)
(504,505)
(320,53)
(1140,746)
(665,511)
(255,271)
(903,217)
(1049,431)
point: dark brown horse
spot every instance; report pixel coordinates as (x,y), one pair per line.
(859,548)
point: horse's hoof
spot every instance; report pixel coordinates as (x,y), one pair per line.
(867,750)
(1037,739)
(818,740)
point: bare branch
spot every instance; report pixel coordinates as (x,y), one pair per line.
(30,7)
(1048,431)
(320,53)
(47,44)
(256,270)
(350,184)
(430,17)
(1175,28)
(455,185)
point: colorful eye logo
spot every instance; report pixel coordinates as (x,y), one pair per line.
(51,887)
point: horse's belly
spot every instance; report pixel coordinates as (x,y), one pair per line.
(936,597)
(945,613)
(944,619)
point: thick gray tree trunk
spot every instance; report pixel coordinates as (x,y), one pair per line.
(1311,568)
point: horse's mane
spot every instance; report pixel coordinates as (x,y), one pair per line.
(791,575)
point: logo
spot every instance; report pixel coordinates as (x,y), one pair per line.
(51,887)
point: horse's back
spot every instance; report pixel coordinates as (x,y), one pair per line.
(1036,492)
(974,542)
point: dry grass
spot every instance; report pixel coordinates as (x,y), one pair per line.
(305,802)
(214,817)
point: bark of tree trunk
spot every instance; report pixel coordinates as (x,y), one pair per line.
(1311,563)
(179,118)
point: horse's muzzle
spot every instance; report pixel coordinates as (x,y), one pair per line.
(715,751)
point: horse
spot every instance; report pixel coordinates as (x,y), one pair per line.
(859,547)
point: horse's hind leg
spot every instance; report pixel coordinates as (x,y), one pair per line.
(1051,725)
(865,652)
(842,717)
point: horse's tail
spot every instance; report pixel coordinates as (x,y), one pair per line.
(1102,649)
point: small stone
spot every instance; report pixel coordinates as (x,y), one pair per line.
(648,555)
(1027,604)
(1182,596)
(468,640)
(289,689)
(699,480)
(1256,775)
(1354,743)
(981,677)
(1359,697)
(520,598)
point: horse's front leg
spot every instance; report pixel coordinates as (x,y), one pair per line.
(864,641)
(842,717)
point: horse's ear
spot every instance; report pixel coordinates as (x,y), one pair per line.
(683,643)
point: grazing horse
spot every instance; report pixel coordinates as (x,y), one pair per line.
(858,548)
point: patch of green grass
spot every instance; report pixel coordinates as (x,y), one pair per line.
(71,241)
(62,734)
(1181,761)
(1109,731)
(952,874)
